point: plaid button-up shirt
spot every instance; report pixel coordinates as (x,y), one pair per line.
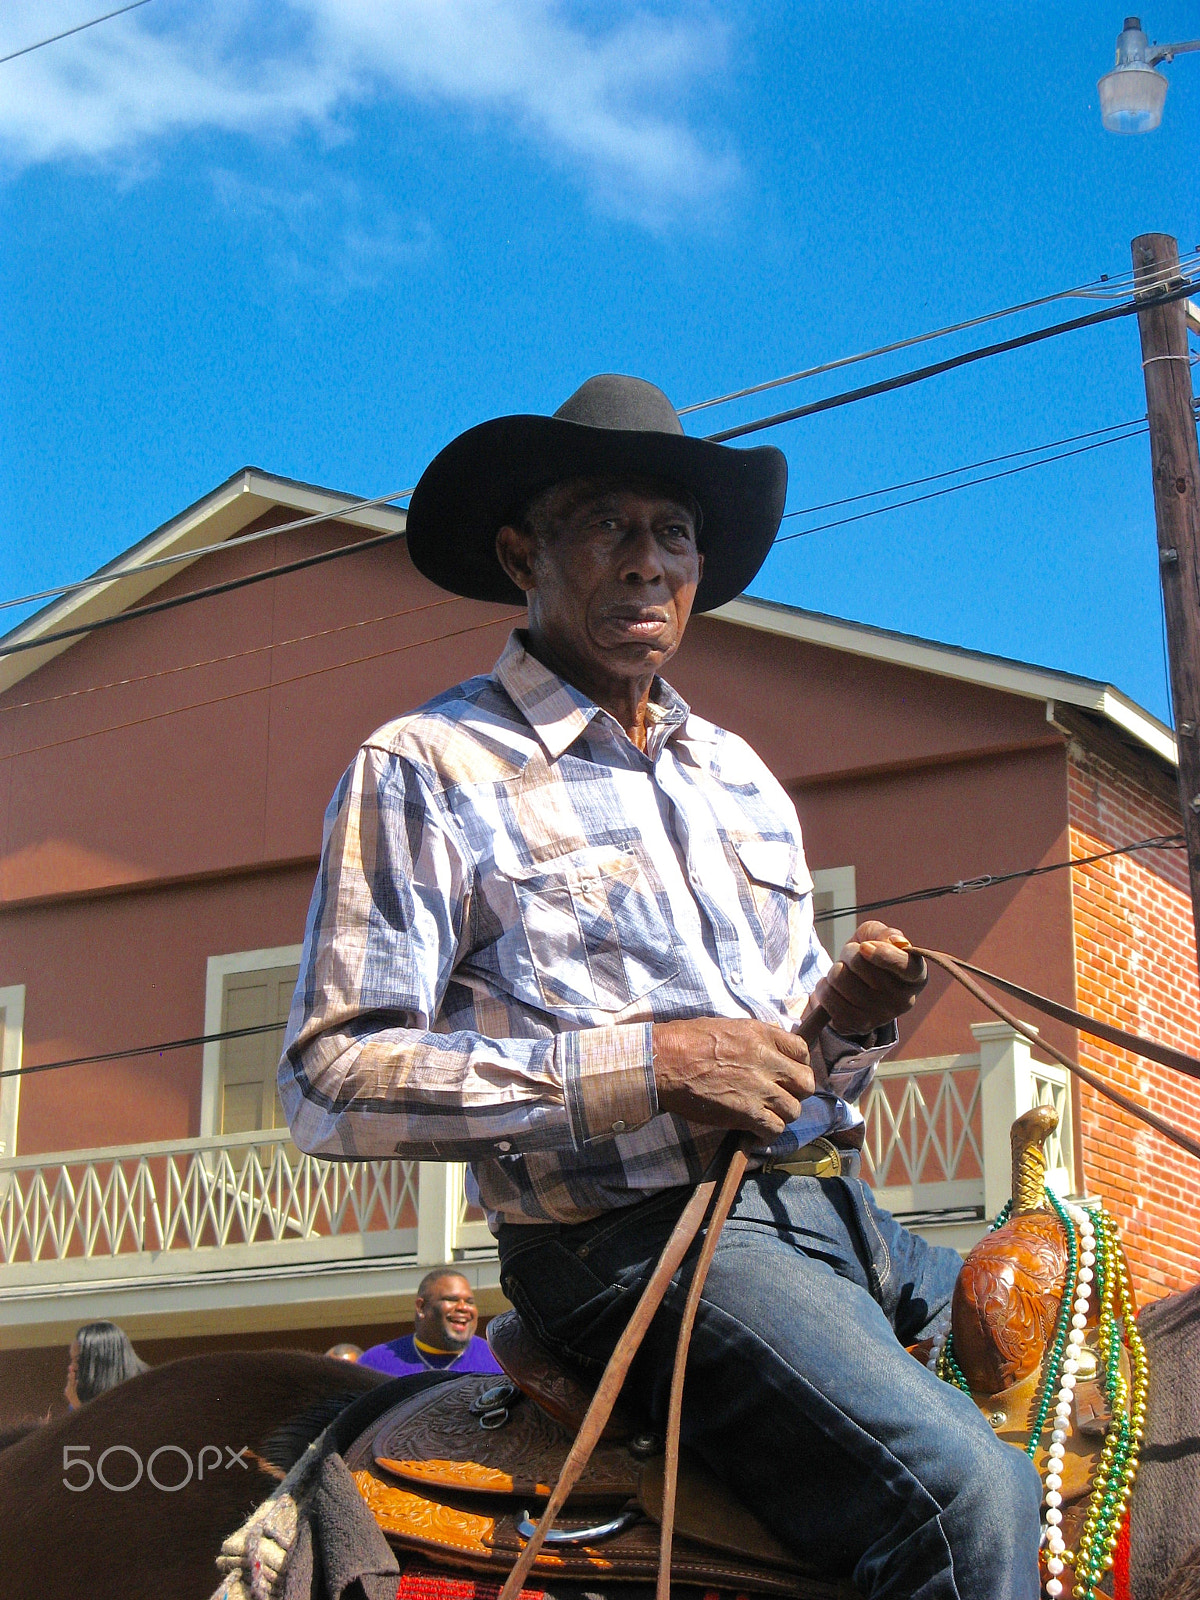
(510,895)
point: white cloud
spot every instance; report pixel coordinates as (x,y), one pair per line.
(605,101)
(332,236)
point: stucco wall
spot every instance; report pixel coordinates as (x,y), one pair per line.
(207,739)
(122,969)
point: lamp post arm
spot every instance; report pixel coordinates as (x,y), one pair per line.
(1168,52)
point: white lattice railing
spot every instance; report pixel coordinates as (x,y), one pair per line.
(924,1145)
(193,1203)
(937,1142)
(1052,1088)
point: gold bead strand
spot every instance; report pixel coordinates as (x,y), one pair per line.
(1092,1548)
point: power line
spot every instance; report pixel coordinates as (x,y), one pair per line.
(952,472)
(278,683)
(146,1049)
(101,578)
(199,594)
(1161,842)
(989,880)
(237,655)
(97,579)
(368,544)
(1083,290)
(903,380)
(936,494)
(232,655)
(848,397)
(54,38)
(1116,286)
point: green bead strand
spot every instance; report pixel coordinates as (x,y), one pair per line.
(1117,1327)
(1052,1369)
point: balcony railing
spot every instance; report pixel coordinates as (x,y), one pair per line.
(937,1148)
(250,1206)
(196,1195)
(924,1146)
(196,1205)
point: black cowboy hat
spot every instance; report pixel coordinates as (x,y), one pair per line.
(611,426)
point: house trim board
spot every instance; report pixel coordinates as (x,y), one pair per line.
(948,661)
(840,883)
(225,512)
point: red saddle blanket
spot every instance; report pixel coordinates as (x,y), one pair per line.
(419,1582)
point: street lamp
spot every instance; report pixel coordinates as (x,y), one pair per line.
(1132,94)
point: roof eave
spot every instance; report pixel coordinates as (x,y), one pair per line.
(965,666)
(220,515)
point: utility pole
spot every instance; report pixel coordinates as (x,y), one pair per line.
(1176,462)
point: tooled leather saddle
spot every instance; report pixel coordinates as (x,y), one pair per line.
(460,1472)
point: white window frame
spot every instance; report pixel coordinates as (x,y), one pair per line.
(219,968)
(840,883)
(12,1005)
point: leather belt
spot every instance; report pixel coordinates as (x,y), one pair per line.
(849,1138)
(821,1158)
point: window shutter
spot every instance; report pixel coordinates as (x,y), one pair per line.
(249,1101)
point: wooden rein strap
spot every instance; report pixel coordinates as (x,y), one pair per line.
(615,1373)
(809,1030)
(1152,1049)
(734,1173)
(598,1412)
(1085,1024)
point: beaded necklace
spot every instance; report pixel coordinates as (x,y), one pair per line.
(1095,1264)
(434,1366)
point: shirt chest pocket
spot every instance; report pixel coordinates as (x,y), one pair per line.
(594,933)
(776,881)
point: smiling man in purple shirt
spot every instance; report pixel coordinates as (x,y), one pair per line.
(443,1336)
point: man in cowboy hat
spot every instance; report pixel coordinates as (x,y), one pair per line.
(563,930)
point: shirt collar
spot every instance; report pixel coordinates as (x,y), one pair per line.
(558,712)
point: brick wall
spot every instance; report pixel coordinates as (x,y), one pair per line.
(1136,966)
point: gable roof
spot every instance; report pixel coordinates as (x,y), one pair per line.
(1132,721)
(231,508)
(220,515)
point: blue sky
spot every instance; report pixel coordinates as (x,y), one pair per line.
(323,236)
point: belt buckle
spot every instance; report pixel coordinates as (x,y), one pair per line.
(829,1163)
(820,1158)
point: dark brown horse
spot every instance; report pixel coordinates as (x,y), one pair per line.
(130,1497)
(207,1439)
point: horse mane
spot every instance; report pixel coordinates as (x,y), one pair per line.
(282,1449)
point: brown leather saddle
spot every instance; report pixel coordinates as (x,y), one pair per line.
(460,1473)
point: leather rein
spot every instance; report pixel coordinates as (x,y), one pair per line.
(963,972)
(725,1189)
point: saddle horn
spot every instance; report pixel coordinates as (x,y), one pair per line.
(1028,1136)
(1007,1297)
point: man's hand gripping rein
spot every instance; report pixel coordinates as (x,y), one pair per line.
(728,1072)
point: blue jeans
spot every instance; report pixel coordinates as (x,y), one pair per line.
(800,1392)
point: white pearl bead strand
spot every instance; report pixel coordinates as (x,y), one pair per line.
(939,1332)
(1052,1535)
